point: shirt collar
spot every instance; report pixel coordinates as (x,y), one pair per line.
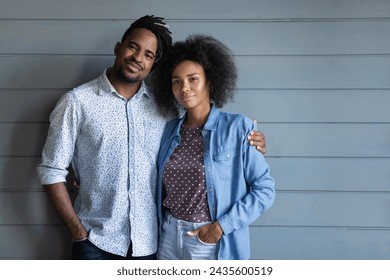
(211,122)
(105,87)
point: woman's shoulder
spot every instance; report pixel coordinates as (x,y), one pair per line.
(171,126)
(173,122)
(242,120)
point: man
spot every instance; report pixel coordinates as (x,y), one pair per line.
(110,129)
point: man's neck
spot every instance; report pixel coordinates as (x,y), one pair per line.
(127,90)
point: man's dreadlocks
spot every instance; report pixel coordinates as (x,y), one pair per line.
(159,28)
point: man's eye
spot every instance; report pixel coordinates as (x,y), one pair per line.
(149,56)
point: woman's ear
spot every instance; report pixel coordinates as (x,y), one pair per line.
(209,87)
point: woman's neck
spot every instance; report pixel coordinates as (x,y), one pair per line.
(197,117)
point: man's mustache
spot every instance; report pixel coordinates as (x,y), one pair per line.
(133,61)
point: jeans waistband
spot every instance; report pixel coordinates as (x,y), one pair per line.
(170,219)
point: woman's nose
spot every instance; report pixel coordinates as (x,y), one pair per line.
(185,87)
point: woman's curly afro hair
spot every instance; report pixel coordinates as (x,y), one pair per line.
(217,62)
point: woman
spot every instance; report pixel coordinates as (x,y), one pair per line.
(211,183)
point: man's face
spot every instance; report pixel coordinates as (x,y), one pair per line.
(135,56)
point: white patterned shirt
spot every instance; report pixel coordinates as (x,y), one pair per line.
(113,145)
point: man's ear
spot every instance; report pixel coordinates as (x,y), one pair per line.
(116,49)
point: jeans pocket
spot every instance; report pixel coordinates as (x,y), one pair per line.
(80,240)
(204,243)
(82,250)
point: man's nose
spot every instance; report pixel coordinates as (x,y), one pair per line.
(137,56)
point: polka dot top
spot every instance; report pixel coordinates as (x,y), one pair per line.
(184,180)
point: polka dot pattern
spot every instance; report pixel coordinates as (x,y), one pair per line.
(184,179)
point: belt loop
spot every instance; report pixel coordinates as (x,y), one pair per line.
(169,216)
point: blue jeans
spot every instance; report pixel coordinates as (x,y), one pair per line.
(176,244)
(85,250)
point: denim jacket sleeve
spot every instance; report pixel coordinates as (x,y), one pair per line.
(252,187)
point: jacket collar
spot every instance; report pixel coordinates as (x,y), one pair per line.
(210,124)
(212,120)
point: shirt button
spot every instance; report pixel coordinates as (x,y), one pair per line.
(228,156)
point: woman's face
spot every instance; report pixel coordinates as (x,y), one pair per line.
(190,86)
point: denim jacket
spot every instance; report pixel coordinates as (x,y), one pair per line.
(239,185)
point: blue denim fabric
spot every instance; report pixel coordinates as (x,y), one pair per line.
(178,245)
(238,179)
(86,250)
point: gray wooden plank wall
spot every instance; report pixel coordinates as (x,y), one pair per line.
(315,74)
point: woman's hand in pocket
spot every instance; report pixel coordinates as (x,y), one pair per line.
(210,233)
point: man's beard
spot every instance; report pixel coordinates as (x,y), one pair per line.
(124,78)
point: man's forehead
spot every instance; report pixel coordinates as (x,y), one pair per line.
(142,33)
(143,36)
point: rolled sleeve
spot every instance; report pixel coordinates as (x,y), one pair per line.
(48,175)
(60,142)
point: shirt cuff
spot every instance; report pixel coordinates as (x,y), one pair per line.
(226,224)
(49,175)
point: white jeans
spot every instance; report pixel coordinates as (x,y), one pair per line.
(176,244)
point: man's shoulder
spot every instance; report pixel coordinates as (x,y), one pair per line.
(90,86)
